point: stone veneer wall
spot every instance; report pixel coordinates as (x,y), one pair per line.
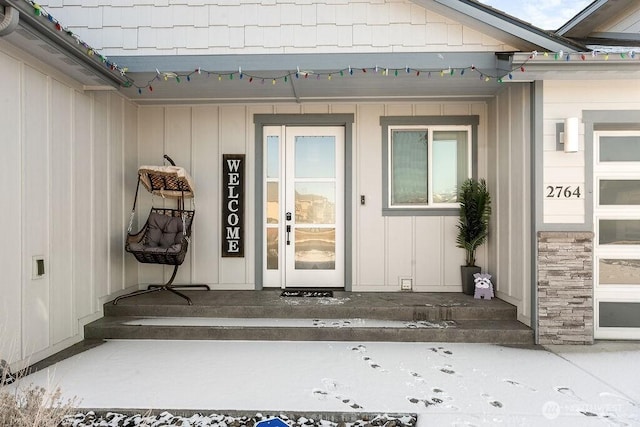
(565,287)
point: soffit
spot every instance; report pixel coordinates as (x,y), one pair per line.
(312,77)
(593,16)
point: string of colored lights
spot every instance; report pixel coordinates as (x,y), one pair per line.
(384,71)
(328,75)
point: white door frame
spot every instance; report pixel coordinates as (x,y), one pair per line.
(265,124)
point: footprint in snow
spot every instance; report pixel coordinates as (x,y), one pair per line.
(330,386)
(361,348)
(447,369)
(433,401)
(349,402)
(373,364)
(441,351)
(416,375)
(568,392)
(520,385)
(491,401)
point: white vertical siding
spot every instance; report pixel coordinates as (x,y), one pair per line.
(429,237)
(205,247)
(11,258)
(82,196)
(61,238)
(370,237)
(62,166)
(399,256)
(508,150)
(101,191)
(116,195)
(35,202)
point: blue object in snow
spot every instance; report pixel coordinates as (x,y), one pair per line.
(272,422)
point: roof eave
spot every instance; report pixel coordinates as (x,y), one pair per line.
(502,22)
(46,30)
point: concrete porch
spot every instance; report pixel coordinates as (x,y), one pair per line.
(347,316)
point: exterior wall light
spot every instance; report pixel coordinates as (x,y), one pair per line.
(568,136)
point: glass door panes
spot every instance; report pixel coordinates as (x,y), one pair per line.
(304,206)
(619,192)
(619,148)
(617,228)
(618,271)
(619,231)
(272,205)
(315,196)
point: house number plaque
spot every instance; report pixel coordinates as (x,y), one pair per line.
(233,205)
(563,192)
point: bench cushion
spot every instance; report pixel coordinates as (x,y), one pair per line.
(164,231)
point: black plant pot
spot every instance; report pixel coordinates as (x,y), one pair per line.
(468,283)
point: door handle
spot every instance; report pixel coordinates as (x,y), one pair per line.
(288,232)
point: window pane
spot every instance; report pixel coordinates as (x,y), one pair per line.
(409,167)
(273,205)
(619,192)
(620,148)
(449,164)
(619,232)
(315,249)
(315,157)
(272,248)
(315,203)
(619,272)
(273,156)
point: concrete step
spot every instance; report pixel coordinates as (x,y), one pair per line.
(344,305)
(306,329)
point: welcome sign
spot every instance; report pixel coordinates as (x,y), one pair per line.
(233,205)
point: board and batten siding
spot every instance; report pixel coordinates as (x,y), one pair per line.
(569,98)
(67,196)
(509,178)
(384,250)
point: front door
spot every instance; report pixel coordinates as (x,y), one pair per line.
(304,206)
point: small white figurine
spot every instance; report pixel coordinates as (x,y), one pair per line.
(484,287)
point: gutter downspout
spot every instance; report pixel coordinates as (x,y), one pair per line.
(10,21)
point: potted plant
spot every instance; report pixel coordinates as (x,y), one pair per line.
(473,226)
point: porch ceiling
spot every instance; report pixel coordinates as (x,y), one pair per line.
(431,76)
(363,87)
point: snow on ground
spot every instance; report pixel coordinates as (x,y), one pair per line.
(445,384)
(286,323)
